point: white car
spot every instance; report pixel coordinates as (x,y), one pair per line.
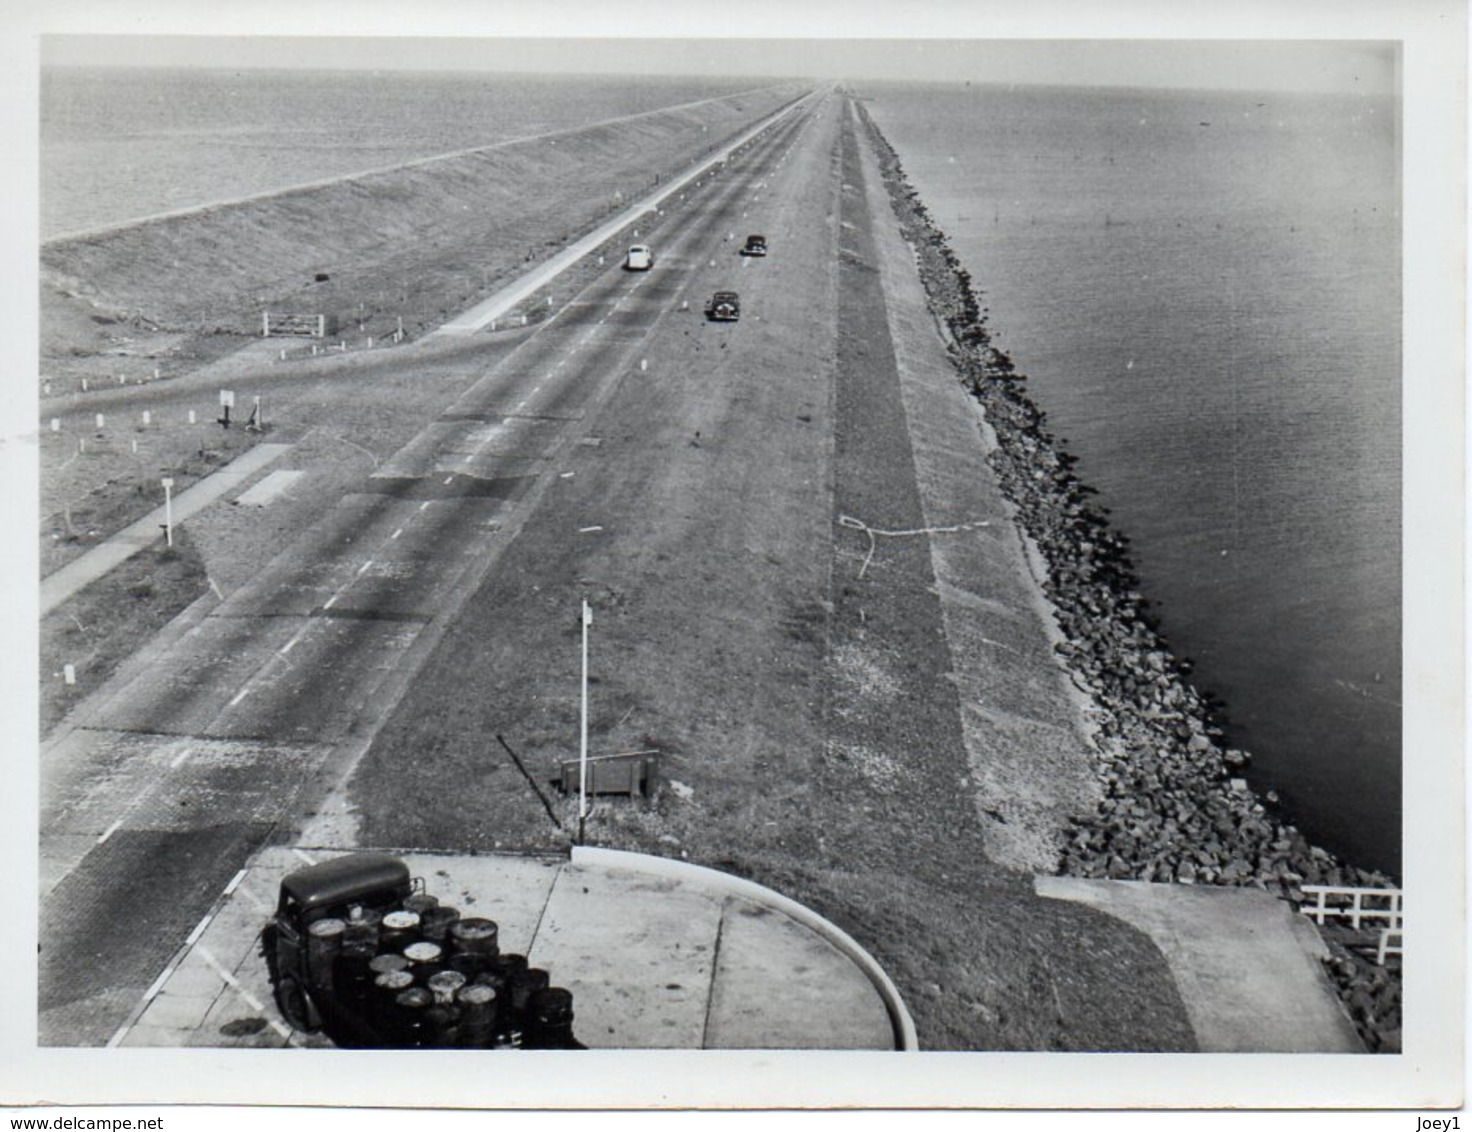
(640,258)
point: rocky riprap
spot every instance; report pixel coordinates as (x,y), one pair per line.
(1174,806)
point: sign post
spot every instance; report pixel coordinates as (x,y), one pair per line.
(587,620)
(168,512)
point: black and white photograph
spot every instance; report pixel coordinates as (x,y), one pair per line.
(809,558)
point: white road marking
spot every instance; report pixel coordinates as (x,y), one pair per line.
(254,900)
(423,505)
(148,996)
(240,695)
(234,882)
(234,984)
(230,980)
(363,569)
(330,602)
(183,755)
(396,534)
(109,831)
(449,479)
(198,931)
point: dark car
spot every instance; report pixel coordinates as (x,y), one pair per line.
(755,245)
(345,888)
(724,306)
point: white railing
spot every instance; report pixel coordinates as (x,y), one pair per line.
(1381,906)
(1354,904)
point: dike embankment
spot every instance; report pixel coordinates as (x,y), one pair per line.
(416,241)
(1174,806)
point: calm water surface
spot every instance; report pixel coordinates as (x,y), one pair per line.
(122,143)
(1204,291)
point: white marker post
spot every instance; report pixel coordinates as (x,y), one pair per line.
(168,512)
(583,739)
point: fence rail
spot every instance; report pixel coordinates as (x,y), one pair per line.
(297,325)
(1381,906)
(1391,942)
(1354,904)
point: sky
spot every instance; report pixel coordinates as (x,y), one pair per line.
(1369,67)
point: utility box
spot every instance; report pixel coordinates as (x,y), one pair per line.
(632,774)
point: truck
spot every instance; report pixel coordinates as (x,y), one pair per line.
(358,949)
(724,306)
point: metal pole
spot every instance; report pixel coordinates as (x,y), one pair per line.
(168,512)
(583,739)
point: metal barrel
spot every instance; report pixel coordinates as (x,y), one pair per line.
(467,963)
(382,1015)
(420,903)
(496,981)
(477,1004)
(548,1022)
(426,959)
(388,961)
(510,964)
(410,1024)
(435,923)
(524,984)
(398,930)
(444,984)
(324,941)
(352,976)
(361,926)
(475,936)
(442,1021)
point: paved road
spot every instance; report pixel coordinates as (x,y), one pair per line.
(496,306)
(195,756)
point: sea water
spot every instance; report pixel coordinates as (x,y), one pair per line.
(119,143)
(1203,289)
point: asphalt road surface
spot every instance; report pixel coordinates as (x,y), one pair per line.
(208,746)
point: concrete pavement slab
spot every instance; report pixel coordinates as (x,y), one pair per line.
(1245,977)
(636,952)
(778,985)
(275,485)
(512,891)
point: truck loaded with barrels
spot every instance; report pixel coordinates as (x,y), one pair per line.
(358,950)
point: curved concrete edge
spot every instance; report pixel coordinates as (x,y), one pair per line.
(899,1014)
